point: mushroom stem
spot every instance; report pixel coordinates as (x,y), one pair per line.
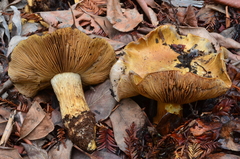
(163,108)
(77,117)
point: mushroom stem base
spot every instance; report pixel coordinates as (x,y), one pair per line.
(81,130)
(163,108)
(76,115)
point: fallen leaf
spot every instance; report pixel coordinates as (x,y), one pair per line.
(222,155)
(76,154)
(230,3)
(226,42)
(104,155)
(186,3)
(61,151)
(30,28)
(14,42)
(100,100)
(16,21)
(230,32)
(92,6)
(57,117)
(9,153)
(36,124)
(35,152)
(151,3)
(190,17)
(43,129)
(149,12)
(125,20)
(205,16)
(227,141)
(4,113)
(4,27)
(106,26)
(2,127)
(127,112)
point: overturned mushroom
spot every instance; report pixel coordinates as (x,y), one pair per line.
(65,59)
(170,68)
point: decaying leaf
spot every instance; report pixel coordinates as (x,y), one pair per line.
(17,21)
(190,17)
(127,112)
(9,153)
(61,151)
(222,155)
(125,20)
(149,12)
(186,3)
(2,127)
(227,138)
(226,42)
(35,152)
(104,155)
(92,6)
(36,124)
(100,100)
(231,3)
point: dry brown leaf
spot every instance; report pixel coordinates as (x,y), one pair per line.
(226,42)
(4,113)
(61,151)
(2,126)
(227,138)
(104,155)
(151,3)
(59,19)
(9,153)
(190,17)
(62,19)
(125,20)
(92,6)
(149,12)
(33,118)
(100,100)
(231,3)
(127,113)
(57,117)
(105,25)
(222,155)
(36,124)
(35,152)
(85,20)
(43,129)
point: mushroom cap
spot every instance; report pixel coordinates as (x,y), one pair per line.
(170,68)
(36,60)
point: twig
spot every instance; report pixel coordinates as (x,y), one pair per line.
(8,129)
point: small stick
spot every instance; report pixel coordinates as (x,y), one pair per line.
(8,129)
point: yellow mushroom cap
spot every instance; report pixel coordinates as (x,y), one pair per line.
(170,68)
(36,60)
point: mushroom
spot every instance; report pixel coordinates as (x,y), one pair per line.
(66,60)
(170,68)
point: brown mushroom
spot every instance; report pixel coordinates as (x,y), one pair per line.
(65,60)
(170,68)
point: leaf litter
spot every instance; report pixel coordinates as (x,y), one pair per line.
(207,129)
